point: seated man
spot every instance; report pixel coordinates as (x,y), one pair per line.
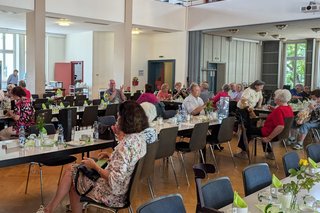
(273,125)
(115,95)
(297,91)
(193,103)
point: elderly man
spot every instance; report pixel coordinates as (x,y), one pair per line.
(193,103)
(13,78)
(22,84)
(114,95)
(297,91)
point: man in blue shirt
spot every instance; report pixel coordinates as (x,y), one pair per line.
(297,91)
(13,78)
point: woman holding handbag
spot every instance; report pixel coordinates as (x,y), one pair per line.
(111,187)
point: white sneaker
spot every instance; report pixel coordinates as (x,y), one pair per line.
(41,209)
(298,146)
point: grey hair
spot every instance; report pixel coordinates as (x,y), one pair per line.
(205,85)
(193,84)
(226,87)
(283,95)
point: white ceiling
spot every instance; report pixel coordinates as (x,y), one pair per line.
(294,31)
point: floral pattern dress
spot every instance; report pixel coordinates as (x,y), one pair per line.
(112,191)
(25,110)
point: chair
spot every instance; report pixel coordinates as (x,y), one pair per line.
(313,152)
(112,109)
(134,183)
(48,95)
(81,97)
(224,136)
(290,160)
(70,99)
(169,204)
(167,143)
(107,120)
(148,165)
(35,96)
(40,101)
(283,136)
(58,161)
(197,143)
(96,102)
(67,122)
(209,196)
(46,113)
(90,115)
(315,135)
(79,102)
(256,177)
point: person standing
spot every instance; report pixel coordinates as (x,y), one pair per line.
(13,78)
(115,95)
(22,84)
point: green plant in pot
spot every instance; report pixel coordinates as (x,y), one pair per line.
(40,125)
(209,107)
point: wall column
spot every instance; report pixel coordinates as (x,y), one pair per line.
(36,48)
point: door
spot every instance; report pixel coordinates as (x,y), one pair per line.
(161,71)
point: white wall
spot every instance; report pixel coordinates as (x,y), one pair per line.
(158,14)
(21,4)
(245,12)
(109,10)
(55,52)
(79,47)
(103,58)
(242,58)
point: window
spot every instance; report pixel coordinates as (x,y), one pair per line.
(295,63)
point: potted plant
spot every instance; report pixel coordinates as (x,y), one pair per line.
(40,126)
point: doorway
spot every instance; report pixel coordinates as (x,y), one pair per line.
(161,71)
(215,75)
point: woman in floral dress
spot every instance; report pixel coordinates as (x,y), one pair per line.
(111,188)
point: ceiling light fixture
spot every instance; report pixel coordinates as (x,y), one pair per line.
(275,36)
(315,29)
(282,39)
(281,26)
(262,34)
(233,30)
(64,22)
(136,31)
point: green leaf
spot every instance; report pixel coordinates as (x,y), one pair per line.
(276,182)
(312,163)
(238,201)
(267,208)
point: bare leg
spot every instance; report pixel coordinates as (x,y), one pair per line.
(76,205)
(301,137)
(63,189)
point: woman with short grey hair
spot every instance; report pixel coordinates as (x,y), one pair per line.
(283,95)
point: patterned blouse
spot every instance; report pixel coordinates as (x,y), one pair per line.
(25,110)
(112,191)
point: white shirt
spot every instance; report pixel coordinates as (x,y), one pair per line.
(190,103)
(252,96)
(150,110)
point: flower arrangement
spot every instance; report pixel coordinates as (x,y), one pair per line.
(135,81)
(209,107)
(40,124)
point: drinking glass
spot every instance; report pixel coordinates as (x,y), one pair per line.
(160,120)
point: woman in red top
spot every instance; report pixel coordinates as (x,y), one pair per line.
(163,94)
(148,96)
(223,93)
(273,125)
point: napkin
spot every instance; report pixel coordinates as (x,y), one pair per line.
(61,104)
(238,201)
(276,182)
(102,102)
(312,163)
(44,106)
(85,103)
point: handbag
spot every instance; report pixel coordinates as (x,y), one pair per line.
(105,132)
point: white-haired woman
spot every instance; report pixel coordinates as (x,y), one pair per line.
(273,125)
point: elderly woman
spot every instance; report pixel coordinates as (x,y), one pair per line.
(22,114)
(314,121)
(178,91)
(273,125)
(148,96)
(223,93)
(163,94)
(238,93)
(112,187)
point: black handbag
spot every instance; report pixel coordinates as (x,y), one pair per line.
(105,132)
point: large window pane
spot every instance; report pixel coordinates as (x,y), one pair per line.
(289,77)
(9,63)
(9,41)
(1,41)
(301,49)
(300,71)
(291,48)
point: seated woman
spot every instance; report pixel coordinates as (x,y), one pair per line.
(111,188)
(148,96)
(163,94)
(222,93)
(314,121)
(22,114)
(273,125)
(178,91)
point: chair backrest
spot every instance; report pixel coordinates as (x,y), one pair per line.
(79,102)
(256,177)
(49,127)
(290,160)
(226,129)
(46,113)
(40,101)
(35,96)
(112,109)
(313,152)
(70,99)
(74,115)
(167,142)
(169,204)
(199,136)
(96,101)
(135,181)
(107,120)
(287,127)
(149,158)
(81,97)
(90,115)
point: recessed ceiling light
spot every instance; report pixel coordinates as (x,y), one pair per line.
(64,22)
(315,29)
(233,30)
(135,31)
(282,39)
(281,26)
(275,36)
(262,34)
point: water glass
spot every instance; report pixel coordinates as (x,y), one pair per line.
(188,117)
(160,120)
(273,191)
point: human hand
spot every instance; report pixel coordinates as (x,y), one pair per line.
(122,88)
(103,155)
(89,163)
(266,139)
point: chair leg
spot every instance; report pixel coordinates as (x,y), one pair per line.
(234,163)
(202,157)
(60,175)
(214,157)
(285,145)
(275,160)
(150,187)
(27,184)
(184,167)
(130,209)
(174,171)
(41,186)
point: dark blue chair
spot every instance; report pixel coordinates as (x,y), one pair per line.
(169,204)
(313,152)
(256,177)
(290,161)
(107,120)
